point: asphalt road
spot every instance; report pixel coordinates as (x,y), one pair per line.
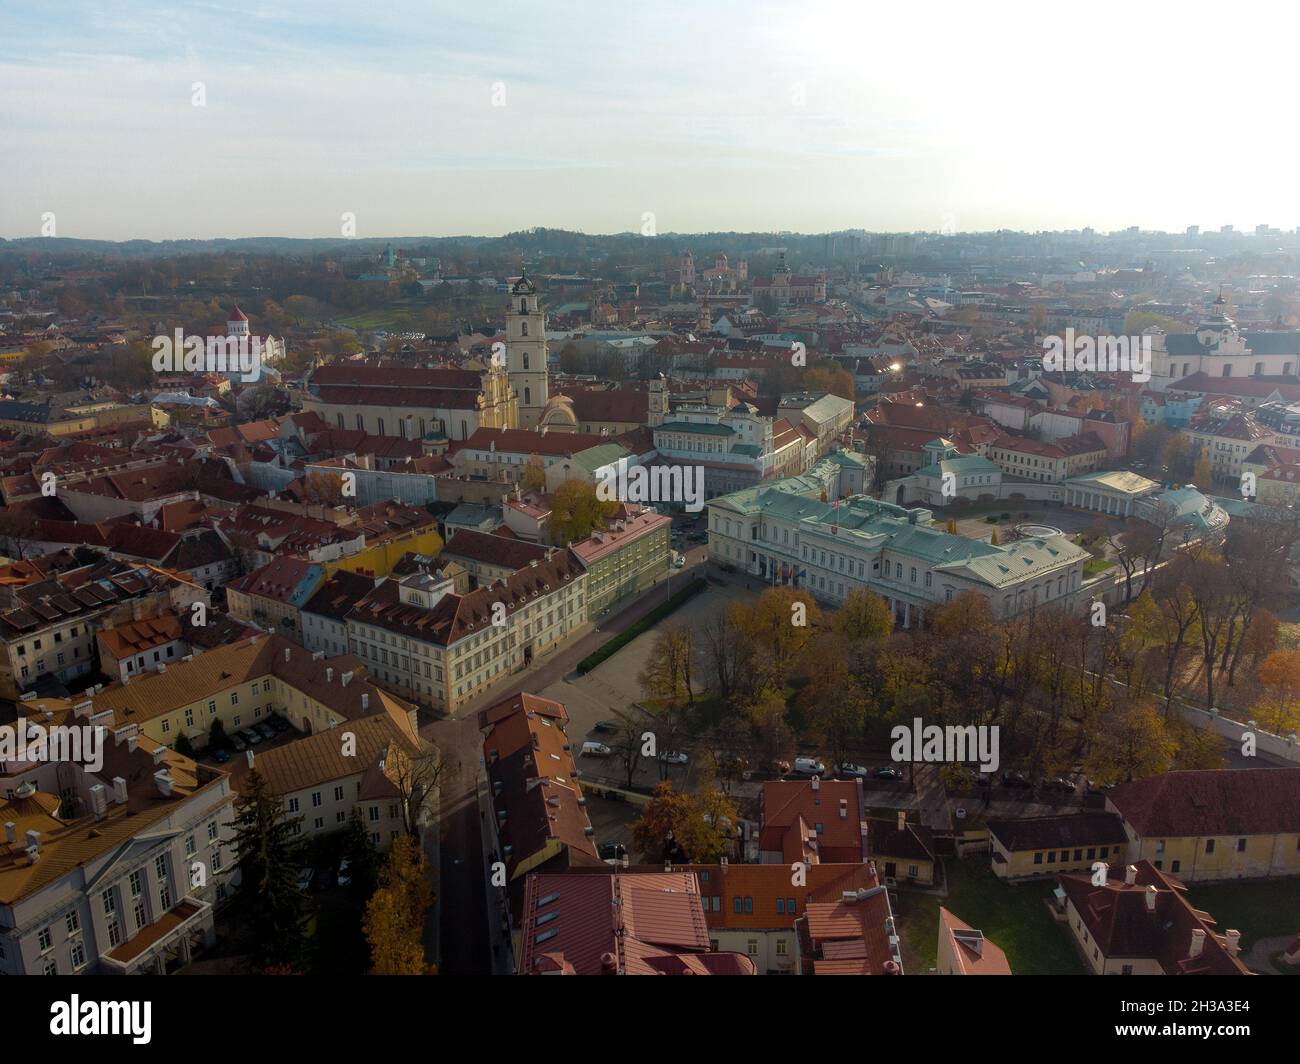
(460,941)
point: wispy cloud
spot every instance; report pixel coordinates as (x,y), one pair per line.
(723,115)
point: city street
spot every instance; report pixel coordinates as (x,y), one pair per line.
(460,942)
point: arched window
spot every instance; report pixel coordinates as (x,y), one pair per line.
(523,306)
(525,360)
(464,429)
(528,397)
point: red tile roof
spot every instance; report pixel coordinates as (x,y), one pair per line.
(651,924)
(1205,802)
(1151,919)
(792,809)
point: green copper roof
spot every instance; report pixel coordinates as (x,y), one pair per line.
(706,428)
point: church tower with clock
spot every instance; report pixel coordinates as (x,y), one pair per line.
(526,352)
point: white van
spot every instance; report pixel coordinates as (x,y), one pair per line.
(594,749)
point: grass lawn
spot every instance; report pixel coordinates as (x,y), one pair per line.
(1012,917)
(1257,908)
(1093,566)
(390,317)
(1288,635)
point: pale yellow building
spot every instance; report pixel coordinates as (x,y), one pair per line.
(1213,824)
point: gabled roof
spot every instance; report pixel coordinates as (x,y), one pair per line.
(626,924)
(1047,832)
(974,954)
(1208,802)
(792,810)
(1150,919)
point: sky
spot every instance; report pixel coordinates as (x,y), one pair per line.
(438,119)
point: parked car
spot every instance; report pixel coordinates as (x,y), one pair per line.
(808,766)
(220,755)
(679,561)
(278,723)
(1059,784)
(1018,780)
(345,872)
(265,730)
(606,726)
(594,749)
(674,757)
(851,771)
(238,743)
(889,772)
(612,851)
(251,737)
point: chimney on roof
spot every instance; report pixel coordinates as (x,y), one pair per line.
(1131,874)
(346,678)
(329,674)
(816,783)
(163,779)
(365,700)
(99,800)
(902,820)
(1232,941)
(11,833)
(82,709)
(286,654)
(1197,943)
(608,964)
(1151,898)
(33,843)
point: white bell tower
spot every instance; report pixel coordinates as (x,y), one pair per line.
(238,323)
(526,351)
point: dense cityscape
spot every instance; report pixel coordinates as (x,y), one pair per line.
(562,602)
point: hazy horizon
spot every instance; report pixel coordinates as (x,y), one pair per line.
(757,117)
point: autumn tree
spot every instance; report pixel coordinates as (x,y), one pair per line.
(534,474)
(323,489)
(1167,619)
(656,833)
(774,741)
(1278,708)
(833,699)
(779,626)
(727,653)
(829,376)
(667,675)
(1133,744)
(576,512)
(414,770)
(1213,592)
(680,827)
(395,915)
(864,615)
(1202,474)
(626,746)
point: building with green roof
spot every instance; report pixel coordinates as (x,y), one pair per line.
(804,532)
